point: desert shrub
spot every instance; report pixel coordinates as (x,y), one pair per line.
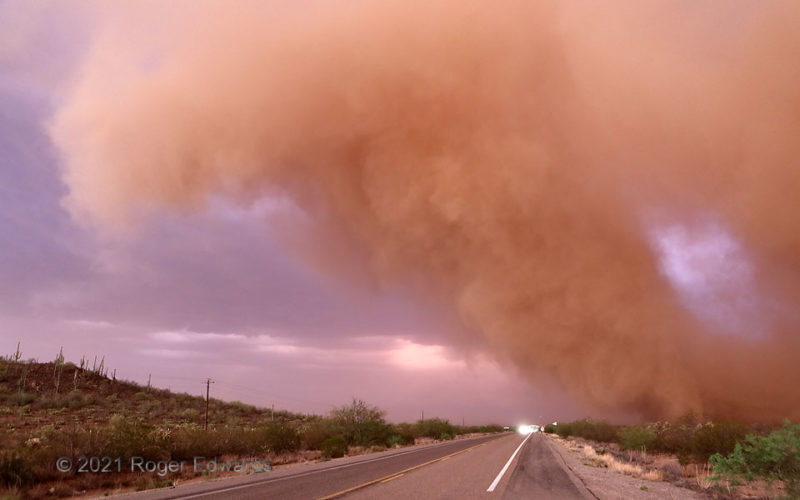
(491,428)
(281,439)
(236,440)
(316,432)
(588,429)
(596,431)
(375,433)
(136,438)
(433,428)
(190,415)
(445,437)
(603,432)
(144,483)
(471,429)
(550,429)
(150,409)
(189,441)
(141,396)
(406,433)
(334,447)
(776,456)
(636,438)
(720,437)
(71,441)
(361,424)
(15,469)
(75,400)
(676,437)
(564,429)
(47,401)
(394,441)
(21,398)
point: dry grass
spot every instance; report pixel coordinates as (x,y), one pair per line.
(653,475)
(297,457)
(608,460)
(703,475)
(669,466)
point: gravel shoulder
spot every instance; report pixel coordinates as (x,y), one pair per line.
(607,484)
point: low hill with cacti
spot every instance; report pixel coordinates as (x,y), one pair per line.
(61,393)
(60,409)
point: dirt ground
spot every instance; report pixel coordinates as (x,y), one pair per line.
(608,484)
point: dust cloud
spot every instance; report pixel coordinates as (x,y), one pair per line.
(607,193)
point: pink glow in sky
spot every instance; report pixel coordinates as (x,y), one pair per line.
(431,206)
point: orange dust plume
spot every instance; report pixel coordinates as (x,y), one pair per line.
(608,193)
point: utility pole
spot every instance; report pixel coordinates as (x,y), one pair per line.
(208,383)
(423,414)
(273,412)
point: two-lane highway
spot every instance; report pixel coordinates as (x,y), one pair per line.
(508,464)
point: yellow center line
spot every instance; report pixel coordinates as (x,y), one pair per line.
(395,475)
(391,478)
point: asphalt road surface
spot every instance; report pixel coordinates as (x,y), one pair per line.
(510,465)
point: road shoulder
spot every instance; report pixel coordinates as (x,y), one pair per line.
(605,484)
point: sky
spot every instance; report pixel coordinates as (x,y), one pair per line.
(216,294)
(534,213)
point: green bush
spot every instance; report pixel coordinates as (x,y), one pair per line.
(587,429)
(433,428)
(720,437)
(361,424)
(445,437)
(316,432)
(637,438)
(334,447)
(406,433)
(491,428)
(236,440)
(394,441)
(189,441)
(550,429)
(190,415)
(135,437)
(473,429)
(375,433)
(776,456)
(281,439)
(676,437)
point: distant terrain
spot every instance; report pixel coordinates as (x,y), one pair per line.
(50,410)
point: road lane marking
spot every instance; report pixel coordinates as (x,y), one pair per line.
(397,474)
(319,471)
(505,467)
(392,478)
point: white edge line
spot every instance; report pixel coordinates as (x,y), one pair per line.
(505,467)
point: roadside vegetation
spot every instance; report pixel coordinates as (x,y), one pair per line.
(774,457)
(61,409)
(718,456)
